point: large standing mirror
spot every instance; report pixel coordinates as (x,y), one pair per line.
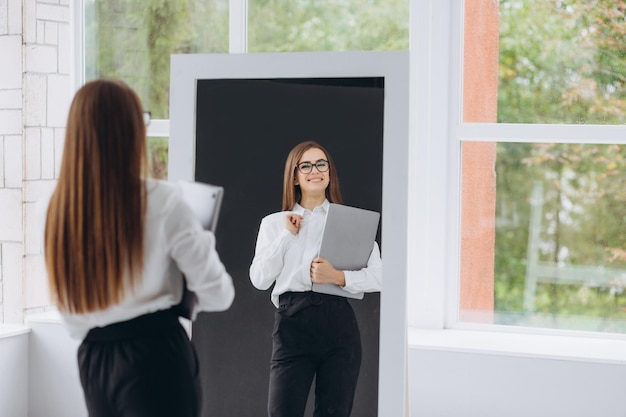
(234,118)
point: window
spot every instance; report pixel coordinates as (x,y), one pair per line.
(349,25)
(134,40)
(562,62)
(542,230)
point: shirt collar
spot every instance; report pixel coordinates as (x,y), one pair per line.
(298,209)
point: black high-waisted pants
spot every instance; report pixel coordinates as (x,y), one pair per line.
(315,335)
(145,367)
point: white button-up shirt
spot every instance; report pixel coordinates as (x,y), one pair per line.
(285,258)
(174,244)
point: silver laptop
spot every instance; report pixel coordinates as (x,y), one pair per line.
(347,242)
(205,201)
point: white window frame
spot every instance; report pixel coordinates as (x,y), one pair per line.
(437,134)
(237,40)
(392,65)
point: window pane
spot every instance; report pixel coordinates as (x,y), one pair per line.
(133,40)
(348,25)
(157,153)
(555,256)
(557,61)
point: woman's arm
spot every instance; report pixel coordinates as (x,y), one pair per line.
(368,279)
(193,250)
(272,242)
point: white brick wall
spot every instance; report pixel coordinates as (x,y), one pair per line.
(15,16)
(30,21)
(47,149)
(33,192)
(1,172)
(10,121)
(12,271)
(11,219)
(11,99)
(35,90)
(4,20)
(40,58)
(11,75)
(58,100)
(35,93)
(11,107)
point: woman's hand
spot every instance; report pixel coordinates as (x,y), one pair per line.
(322,272)
(293,222)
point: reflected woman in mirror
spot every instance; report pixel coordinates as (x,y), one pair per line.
(315,335)
(116,247)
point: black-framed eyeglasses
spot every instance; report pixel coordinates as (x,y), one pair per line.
(147,116)
(306,167)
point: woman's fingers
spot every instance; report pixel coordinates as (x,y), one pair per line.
(293,222)
(320,270)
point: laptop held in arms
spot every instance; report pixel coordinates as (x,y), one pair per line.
(205,201)
(347,243)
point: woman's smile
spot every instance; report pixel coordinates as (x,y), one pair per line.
(314,182)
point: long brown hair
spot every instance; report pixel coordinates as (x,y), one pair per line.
(291,192)
(95,221)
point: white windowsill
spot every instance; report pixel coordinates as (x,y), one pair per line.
(10,330)
(555,347)
(52,317)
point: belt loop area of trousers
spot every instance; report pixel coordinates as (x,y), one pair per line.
(144,325)
(314,298)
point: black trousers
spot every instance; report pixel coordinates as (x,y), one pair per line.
(145,367)
(315,335)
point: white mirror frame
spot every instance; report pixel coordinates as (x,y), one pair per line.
(394,67)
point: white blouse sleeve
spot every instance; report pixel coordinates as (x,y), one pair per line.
(272,242)
(193,251)
(368,279)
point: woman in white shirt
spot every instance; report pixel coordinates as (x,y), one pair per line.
(116,247)
(315,335)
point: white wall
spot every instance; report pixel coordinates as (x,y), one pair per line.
(14,366)
(442,382)
(11,128)
(35,92)
(461,384)
(54,388)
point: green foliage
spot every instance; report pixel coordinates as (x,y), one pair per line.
(562,62)
(133,40)
(339,25)
(157,149)
(582,223)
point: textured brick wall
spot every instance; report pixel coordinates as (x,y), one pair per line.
(11,130)
(35,91)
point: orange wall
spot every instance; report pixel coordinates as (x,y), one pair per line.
(478,181)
